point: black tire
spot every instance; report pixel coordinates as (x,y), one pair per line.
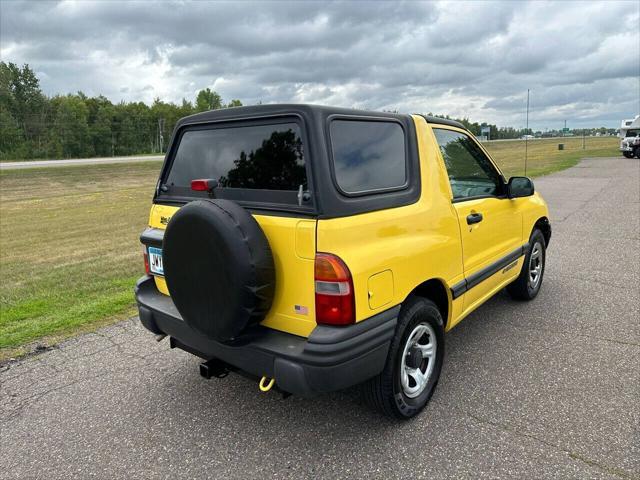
(628,154)
(525,288)
(219,268)
(385,391)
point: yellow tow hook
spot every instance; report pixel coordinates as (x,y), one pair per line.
(266,386)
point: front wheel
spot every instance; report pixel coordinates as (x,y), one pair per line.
(414,362)
(528,283)
(628,154)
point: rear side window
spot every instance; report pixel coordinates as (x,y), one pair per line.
(368,155)
(268,157)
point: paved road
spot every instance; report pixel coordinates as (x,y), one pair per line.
(548,389)
(78,161)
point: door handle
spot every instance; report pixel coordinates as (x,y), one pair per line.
(474,218)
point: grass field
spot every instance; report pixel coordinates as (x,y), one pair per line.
(69,248)
(543,156)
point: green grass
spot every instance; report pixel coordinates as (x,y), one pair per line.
(69,238)
(69,248)
(543,156)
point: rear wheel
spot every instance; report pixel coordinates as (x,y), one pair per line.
(414,362)
(528,283)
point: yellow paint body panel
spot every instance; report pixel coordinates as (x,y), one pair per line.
(416,242)
(506,226)
(161,285)
(430,240)
(159,218)
(485,290)
(292,241)
(391,252)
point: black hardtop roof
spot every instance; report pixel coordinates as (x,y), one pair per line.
(443,121)
(237,113)
(328,201)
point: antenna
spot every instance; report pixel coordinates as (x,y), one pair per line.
(526,137)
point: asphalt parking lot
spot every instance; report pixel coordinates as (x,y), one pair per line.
(547,389)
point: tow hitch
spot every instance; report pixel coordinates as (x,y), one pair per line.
(213,368)
(219,369)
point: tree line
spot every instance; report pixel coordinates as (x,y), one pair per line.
(33,125)
(505,133)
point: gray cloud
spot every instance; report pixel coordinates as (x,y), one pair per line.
(471,59)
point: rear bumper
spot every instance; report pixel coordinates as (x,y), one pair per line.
(332,358)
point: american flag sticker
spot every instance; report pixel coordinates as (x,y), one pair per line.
(300,310)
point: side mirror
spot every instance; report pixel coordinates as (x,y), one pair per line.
(520,187)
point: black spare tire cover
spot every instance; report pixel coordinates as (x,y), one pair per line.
(219,268)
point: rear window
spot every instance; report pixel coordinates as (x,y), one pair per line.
(243,159)
(368,155)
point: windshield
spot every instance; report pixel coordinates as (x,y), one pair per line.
(632,133)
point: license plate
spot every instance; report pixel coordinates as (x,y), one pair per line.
(155,261)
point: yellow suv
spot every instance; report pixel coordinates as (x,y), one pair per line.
(318,248)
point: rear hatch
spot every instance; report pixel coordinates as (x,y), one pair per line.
(261,165)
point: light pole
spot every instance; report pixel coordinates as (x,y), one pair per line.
(526,137)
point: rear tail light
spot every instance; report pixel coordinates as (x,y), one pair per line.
(145,255)
(335,304)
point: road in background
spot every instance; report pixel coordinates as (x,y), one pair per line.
(544,389)
(78,161)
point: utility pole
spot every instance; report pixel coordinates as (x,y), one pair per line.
(526,137)
(160,136)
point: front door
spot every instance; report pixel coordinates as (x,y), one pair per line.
(490,223)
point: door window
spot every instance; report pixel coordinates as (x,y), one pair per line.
(471,173)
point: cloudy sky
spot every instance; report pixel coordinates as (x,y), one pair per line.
(580,60)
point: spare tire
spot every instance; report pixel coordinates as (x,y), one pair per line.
(219,268)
